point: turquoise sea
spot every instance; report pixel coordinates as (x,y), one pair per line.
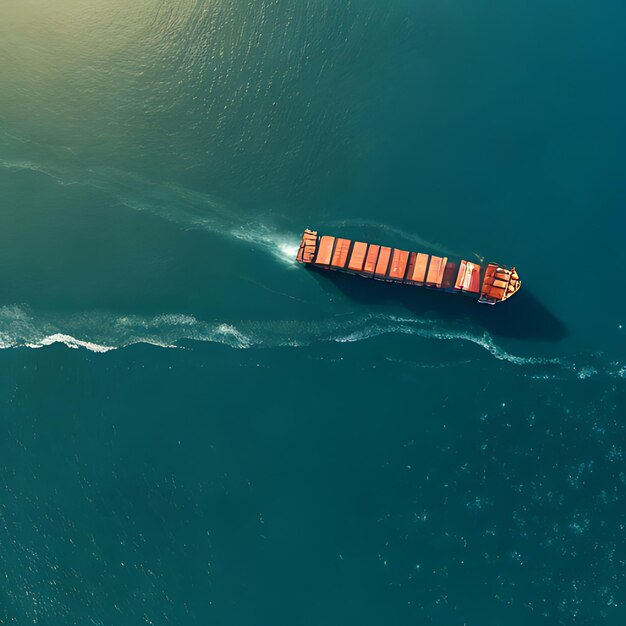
(196,430)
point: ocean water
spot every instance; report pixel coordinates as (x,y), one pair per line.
(195,429)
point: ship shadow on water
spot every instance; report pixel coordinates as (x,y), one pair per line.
(522,317)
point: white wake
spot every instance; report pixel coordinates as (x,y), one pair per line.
(102,332)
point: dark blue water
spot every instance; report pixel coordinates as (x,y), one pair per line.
(197,430)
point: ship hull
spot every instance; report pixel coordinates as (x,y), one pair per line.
(488,284)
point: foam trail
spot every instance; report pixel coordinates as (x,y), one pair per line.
(28,166)
(184,207)
(102,332)
(283,247)
(191,209)
(70,342)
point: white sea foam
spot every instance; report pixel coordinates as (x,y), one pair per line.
(586,372)
(102,332)
(281,246)
(619,371)
(70,342)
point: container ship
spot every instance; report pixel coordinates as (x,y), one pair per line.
(489,284)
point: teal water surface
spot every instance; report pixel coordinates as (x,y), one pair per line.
(196,429)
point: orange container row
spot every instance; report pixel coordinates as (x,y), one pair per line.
(395,265)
